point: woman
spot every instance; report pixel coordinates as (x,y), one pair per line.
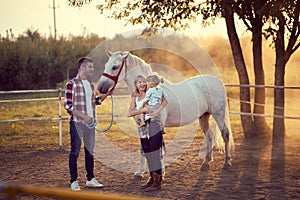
(136,103)
(151,135)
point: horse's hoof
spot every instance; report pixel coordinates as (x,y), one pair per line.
(205,167)
(137,178)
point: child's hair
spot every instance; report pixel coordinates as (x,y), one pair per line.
(155,79)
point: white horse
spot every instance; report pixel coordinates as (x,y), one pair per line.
(194,98)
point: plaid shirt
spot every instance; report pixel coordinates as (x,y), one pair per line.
(75,98)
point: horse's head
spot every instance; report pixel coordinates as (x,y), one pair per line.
(114,71)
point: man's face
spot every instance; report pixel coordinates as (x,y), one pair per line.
(88,69)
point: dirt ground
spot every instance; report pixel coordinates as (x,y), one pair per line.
(260,171)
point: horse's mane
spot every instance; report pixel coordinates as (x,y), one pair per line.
(136,61)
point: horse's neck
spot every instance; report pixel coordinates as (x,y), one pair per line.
(136,66)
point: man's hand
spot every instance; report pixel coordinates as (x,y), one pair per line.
(88,119)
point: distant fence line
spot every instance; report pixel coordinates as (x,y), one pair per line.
(262,86)
(59,98)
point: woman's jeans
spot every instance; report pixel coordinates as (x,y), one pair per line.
(152,147)
(77,133)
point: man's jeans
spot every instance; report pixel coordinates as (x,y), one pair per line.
(77,132)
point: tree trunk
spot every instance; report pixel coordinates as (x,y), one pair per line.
(247,123)
(260,94)
(278,123)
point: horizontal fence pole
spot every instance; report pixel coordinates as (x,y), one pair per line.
(27,100)
(263,115)
(60,98)
(56,118)
(122,96)
(34,119)
(125,87)
(263,86)
(31,91)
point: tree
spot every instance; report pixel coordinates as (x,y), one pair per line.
(31,61)
(283,23)
(252,14)
(247,123)
(177,15)
(282,19)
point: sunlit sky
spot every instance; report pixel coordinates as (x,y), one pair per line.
(19,15)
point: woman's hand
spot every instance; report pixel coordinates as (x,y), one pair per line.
(144,110)
(154,113)
(129,114)
(137,112)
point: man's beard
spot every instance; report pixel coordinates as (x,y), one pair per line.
(89,76)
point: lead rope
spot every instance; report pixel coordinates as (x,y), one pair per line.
(94,121)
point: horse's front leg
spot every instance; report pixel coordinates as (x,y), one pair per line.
(141,168)
(225,136)
(204,123)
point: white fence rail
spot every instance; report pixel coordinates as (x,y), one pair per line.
(263,86)
(58,98)
(60,92)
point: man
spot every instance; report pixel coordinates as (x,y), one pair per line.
(80,103)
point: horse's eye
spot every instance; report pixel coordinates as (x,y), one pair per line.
(115,67)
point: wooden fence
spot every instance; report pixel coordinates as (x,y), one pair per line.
(60,93)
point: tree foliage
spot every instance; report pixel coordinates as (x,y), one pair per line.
(280,15)
(34,62)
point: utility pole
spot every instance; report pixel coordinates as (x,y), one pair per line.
(54,18)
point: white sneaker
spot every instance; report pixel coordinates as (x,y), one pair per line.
(93,183)
(75,186)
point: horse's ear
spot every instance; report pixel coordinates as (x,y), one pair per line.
(125,54)
(109,53)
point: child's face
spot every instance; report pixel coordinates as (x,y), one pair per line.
(150,84)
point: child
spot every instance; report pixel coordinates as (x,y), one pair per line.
(154,96)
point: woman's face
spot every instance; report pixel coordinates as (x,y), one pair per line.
(141,84)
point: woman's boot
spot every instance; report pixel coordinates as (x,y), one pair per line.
(156,185)
(149,182)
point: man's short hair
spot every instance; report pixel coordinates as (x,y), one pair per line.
(84,60)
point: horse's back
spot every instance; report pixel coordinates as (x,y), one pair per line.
(189,99)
